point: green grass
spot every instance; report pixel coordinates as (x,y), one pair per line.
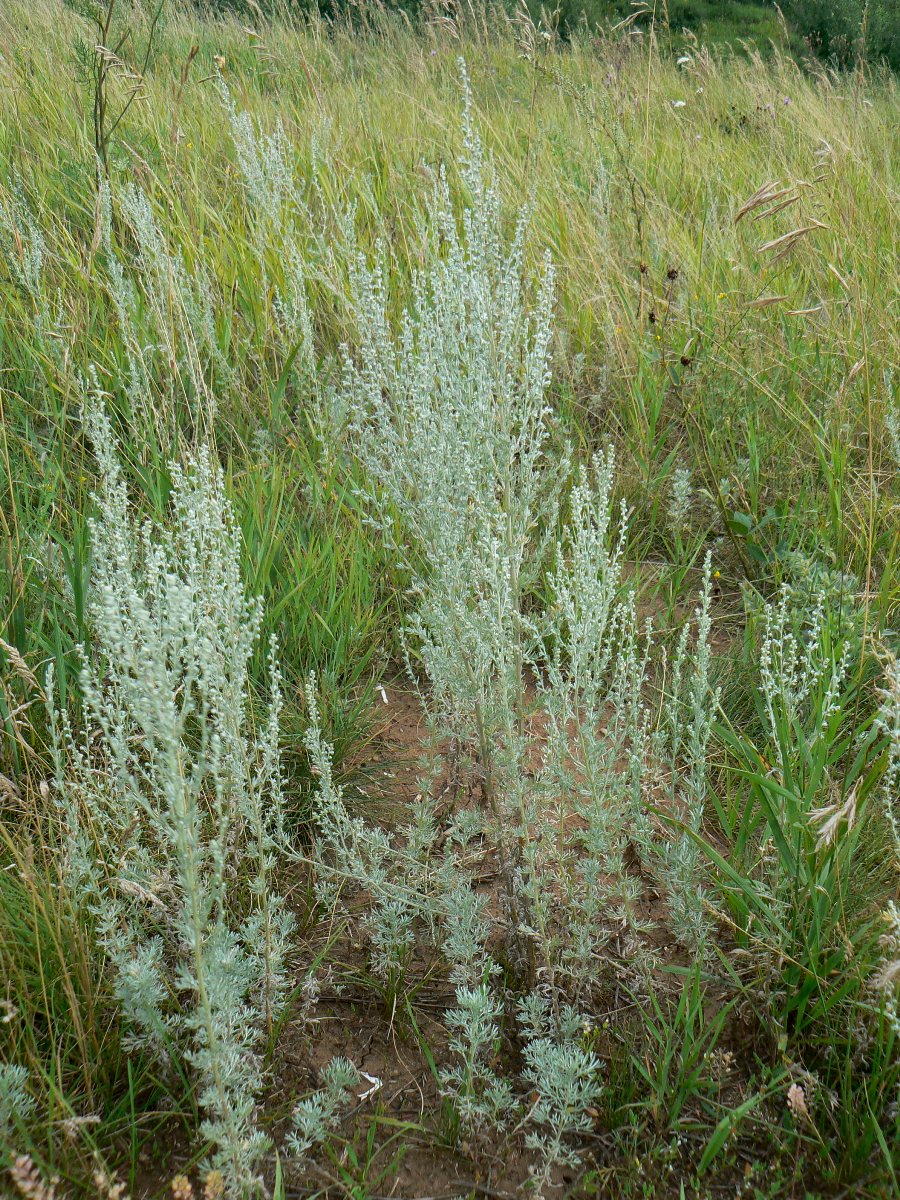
(682,22)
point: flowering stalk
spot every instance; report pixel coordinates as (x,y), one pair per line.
(171,803)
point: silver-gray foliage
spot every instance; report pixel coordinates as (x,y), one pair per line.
(544,704)
(171,797)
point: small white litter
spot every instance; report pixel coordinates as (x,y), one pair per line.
(376,1086)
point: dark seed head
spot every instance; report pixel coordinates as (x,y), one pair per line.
(672,273)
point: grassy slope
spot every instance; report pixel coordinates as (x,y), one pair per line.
(715,22)
(619,177)
(680,337)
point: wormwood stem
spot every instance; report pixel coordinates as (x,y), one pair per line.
(176,810)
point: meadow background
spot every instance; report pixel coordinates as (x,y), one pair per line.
(717,187)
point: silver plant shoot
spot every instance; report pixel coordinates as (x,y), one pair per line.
(470,484)
(170,794)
